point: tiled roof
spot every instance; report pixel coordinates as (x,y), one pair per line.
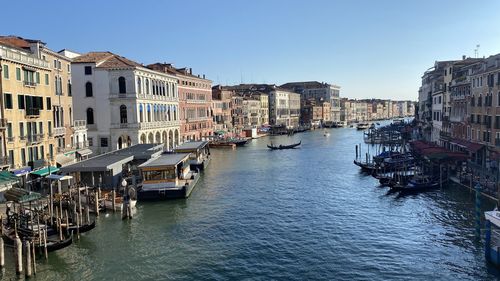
(106,60)
(304,85)
(17,42)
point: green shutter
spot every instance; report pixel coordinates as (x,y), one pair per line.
(18,74)
(5,71)
(38,77)
(46,79)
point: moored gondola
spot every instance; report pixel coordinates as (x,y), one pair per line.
(291,146)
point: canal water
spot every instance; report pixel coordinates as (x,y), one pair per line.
(303,214)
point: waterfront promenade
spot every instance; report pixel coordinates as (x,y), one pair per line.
(303,214)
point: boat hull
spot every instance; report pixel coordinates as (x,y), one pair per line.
(168,193)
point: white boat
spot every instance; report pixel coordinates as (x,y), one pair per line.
(493,217)
(363,126)
(326,134)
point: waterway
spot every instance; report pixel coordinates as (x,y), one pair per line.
(303,214)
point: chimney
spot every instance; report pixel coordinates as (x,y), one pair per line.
(190,70)
(463,57)
(203,76)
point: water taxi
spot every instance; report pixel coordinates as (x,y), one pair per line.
(167,176)
(363,126)
(199,154)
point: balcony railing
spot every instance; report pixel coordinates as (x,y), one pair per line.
(74,147)
(32,112)
(10,139)
(22,138)
(79,125)
(35,138)
(59,131)
(29,84)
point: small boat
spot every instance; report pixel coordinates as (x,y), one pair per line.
(420,183)
(82,228)
(291,146)
(221,144)
(53,241)
(238,142)
(366,167)
(363,126)
(326,134)
(493,216)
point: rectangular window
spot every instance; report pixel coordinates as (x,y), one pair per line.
(23,156)
(21,129)
(46,79)
(20,102)
(88,70)
(38,77)
(497,122)
(18,74)
(90,141)
(104,142)
(40,126)
(10,136)
(8,101)
(69,88)
(11,158)
(42,151)
(49,103)
(51,151)
(5,71)
(49,126)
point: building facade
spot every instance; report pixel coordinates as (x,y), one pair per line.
(195,102)
(124,103)
(318,91)
(37,99)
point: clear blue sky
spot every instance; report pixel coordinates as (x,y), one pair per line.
(370,48)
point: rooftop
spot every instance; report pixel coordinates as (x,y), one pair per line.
(104,162)
(106,60)
(192,145)
(169,159)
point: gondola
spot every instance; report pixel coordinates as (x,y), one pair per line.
(53,242)
(83,228)
(291,146)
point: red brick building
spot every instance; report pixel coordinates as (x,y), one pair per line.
(195,102)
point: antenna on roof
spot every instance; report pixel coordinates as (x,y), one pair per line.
(476,51)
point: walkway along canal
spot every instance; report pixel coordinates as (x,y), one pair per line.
(305,213)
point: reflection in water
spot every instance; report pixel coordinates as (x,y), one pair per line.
(299,214)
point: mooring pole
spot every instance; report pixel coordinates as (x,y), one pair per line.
(478,211)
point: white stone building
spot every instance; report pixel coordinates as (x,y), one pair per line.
(284,108)
(124,103)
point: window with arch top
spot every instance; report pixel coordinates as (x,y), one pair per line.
(123,114)
(90,116)
(122,88)
(88,89)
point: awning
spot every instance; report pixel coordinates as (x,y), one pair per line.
(84,152)
(20,195)
(64,160)
(470,146)
(58,177)
(45,171)
(6,178)
(23,171)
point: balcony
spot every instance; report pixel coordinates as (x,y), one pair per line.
(59,131)
(29,84)
(32,112)
(10,139)
(79,125)
(22,138)
(34,139)
(444,135)
(74,147)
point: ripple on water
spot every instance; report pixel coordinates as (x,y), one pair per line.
(304,214)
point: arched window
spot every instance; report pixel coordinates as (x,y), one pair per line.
(123,114)
(147,86)
(141,118)
(88,89)
(139,85)
(122,88)
(90,116)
